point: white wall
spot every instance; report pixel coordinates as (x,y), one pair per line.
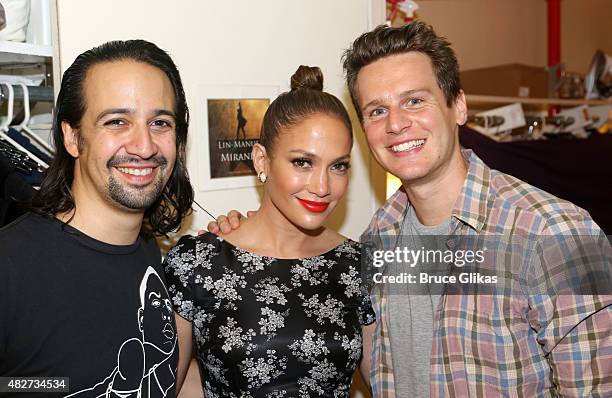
(242,42)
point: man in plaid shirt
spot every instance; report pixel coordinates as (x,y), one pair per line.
(404,83)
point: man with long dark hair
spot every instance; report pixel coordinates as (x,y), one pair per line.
(71,271)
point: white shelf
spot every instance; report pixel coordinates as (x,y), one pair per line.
(15,52)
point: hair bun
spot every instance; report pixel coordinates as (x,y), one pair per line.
(307,77)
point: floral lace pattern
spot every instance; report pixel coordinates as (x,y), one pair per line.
(266,327)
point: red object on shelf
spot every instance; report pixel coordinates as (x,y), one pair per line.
(394,9)
(406,7)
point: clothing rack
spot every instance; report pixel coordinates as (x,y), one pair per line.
(37,93)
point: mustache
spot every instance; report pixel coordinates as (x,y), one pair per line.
(158,161)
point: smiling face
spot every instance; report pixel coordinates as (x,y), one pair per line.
(307,171)
(410,129)
(125,147)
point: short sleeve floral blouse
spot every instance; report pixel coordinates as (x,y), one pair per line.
(266,327)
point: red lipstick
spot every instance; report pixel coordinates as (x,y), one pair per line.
(315,207)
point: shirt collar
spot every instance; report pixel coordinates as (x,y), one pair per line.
(470,206)
(472,203)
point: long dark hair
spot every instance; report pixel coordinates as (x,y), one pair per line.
(55,195)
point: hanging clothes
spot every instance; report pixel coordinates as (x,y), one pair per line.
(15,193)
(25,142)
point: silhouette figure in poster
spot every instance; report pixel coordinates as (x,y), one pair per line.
(241,123)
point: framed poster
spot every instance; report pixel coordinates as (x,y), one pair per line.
(231,122)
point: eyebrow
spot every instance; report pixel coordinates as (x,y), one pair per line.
(157,295)
(131,111)
(312,155)
(403,94)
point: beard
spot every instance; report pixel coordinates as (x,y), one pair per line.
(137,198)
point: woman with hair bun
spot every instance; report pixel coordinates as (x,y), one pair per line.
(277,308)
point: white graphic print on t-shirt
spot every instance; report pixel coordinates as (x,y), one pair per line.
(144,368)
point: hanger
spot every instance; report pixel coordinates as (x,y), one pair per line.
(23,127)
(9,116)
(21,162)
(5,127)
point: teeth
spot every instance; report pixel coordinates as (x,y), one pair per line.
(406,146)
(136,172)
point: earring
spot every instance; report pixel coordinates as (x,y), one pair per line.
(262,177)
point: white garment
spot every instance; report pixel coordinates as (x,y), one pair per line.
(17,13)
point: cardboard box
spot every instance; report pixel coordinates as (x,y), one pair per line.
(510,80)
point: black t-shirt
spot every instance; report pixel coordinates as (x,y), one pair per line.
(72,306)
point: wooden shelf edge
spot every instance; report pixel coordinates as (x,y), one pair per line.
(492,99)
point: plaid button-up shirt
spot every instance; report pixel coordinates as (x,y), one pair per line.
(491,345)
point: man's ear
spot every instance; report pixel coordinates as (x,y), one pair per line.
(460,108)
(260,158)
(71,139)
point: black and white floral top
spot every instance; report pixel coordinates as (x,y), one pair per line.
(266,327)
